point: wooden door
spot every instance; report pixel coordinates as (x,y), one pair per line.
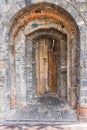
(46,66)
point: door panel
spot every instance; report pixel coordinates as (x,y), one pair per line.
(46,66)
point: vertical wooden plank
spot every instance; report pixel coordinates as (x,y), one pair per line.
(49,68)
(54,89)
(42,65)
(37,67)
(52,70)
(46,42)
(46,67)
(40,68)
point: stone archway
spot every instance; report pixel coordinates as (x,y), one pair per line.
(42,16)
(49,62)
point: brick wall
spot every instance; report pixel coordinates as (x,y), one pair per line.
(8,9)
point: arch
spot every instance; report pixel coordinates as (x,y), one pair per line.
(52,37)
(23,14)
(67,5)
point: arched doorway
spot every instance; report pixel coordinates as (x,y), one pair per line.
(45,73)
(50,48)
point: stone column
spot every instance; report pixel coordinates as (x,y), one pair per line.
(63,68)
(82,104)
(73,72)
(20,70)
(30,75)
(69,59)
(12,73)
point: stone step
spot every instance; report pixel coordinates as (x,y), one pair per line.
(66,127)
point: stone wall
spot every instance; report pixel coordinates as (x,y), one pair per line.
(8,9)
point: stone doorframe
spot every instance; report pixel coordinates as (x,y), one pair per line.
(58,38)
(52,20)
(66,25)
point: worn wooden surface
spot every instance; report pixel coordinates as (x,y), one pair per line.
(46,67)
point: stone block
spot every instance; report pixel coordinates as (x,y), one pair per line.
(27,2)
(84,83)
(81,1)
(2,65)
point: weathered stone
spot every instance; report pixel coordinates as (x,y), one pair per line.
(18,82)
(27,2)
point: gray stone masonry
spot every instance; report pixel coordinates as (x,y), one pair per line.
(28,107)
